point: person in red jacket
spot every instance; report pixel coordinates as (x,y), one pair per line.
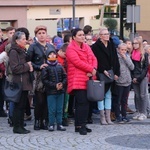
(81,64)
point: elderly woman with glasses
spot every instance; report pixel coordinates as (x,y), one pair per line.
(20,71)
(106,54)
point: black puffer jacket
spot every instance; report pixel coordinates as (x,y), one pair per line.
(51,75)
(140,69)
(36,54)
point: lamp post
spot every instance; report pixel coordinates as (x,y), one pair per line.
(73,12)
(121,19)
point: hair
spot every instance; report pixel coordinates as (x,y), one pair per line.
(25,30)
(87,29)
(122,44)
(102,29)
(65,32)
(9,28)
(67,37)
(127,40)
(139,40)
(64,47)
(145,41)
(17,36)
(75,31)
(146,48)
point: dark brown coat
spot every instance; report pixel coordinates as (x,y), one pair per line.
(19,66)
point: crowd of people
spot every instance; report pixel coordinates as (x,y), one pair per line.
(54,74)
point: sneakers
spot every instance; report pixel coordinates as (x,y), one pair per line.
(125,119)
(51,128)
(142,117)
(61,128)
(119,120)
(136,116)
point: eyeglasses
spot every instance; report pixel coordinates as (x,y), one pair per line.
(135,43)
(88,39)
(105,34)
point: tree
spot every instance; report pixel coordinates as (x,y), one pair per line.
(111,24)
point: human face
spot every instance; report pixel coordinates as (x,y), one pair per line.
(79,38)
(122,50)
(145,43)
(52,55)
(10,33)
(41,36)
(148,50)
(136,44)
(129,44)
(62,54)
(104,35)
(88,39)
(22,41)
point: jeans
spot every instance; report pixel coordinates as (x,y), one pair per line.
(55,108)
(141,94)
(11,108)
(121,100)
(106,103)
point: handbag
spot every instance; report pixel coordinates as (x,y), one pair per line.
(95,90)
(103,77)
(12,91)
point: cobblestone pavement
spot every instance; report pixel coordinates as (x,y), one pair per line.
(132,136)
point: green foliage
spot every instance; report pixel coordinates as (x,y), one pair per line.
(98,16)
(111,24)
(108,11)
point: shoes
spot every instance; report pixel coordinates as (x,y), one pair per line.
(83,130)
(61,128)
(125,119)
(27,118)
(37,125)
(28,131)
(119,120)
(20,130)
(142,117)
(10,122)
(89,120)
(129,111)
(112,116)
(65,122)
(44,125)
(51,128)
(3,114)
(87,129)
(136,116)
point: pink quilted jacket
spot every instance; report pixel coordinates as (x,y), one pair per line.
(80,61)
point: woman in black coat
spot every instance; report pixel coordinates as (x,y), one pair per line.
(107,58)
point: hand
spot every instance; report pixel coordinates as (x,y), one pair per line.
(31,68)
(123,55)
(106,73)
(89,74)
(59,86)
(116,77)
(94,72)
(43,66)
(134,80)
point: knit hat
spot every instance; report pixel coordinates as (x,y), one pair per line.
(50,50)
(58,42)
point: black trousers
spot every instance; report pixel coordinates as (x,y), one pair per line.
(81,107)
(18,113)
(41,110)
(121,100)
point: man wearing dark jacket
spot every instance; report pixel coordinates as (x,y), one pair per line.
(107,58)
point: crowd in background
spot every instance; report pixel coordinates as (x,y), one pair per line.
(54,72)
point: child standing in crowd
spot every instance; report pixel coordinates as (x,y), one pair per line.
(61,57)
(123,83)
(140,80)
(54,79)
